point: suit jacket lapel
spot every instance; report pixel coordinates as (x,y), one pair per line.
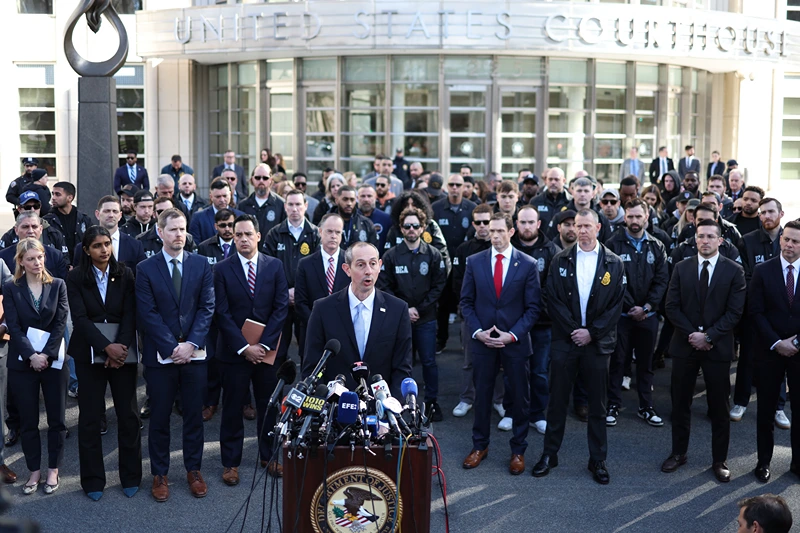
(340,273)
(319,273)
(164,269)
(695,266)
(513,269)
(489,275)
(347,320)
(236,264)
(45,293)
(378,316)
(714,276)
(26,293)
(260,276)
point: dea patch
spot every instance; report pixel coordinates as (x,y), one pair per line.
(271,215)
(423,268)
(359,499)
(650,258)
(362,236)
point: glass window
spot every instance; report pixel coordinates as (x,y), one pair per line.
(568,97)
(363,112)
(320,128)
(218,114)
(517,130)
(35,7)
(611,99)
(568,71)
(467,128)
(415,109)
(319,69)
(463,68)
(280,70)
(37,116)
(126,7)
(415,68)
(676,76)
(611,73)
(130,111)
(365,68)
(646,74)
(512,68)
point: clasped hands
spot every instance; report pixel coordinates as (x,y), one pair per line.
(499,341)
(255,353)
(117,353)
(698,341)
(786,348)
(581,337)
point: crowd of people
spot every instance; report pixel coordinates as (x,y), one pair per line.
(574,290)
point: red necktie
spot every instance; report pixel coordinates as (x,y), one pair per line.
(498,275)
(790,284)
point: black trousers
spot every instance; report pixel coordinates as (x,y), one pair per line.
(565,365)
(772,369)
(12,413)
(165,382)
(639,336)
(236,379)
(24,386)
(214,387)
(448,303)
(292,322)
(718,388)
(92,404)
(745,368)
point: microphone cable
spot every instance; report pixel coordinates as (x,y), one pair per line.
(437,471)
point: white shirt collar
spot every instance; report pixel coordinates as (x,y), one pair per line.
(99,274)
(169,257)
(594,251)
(326,256)
(712,260)
(222,241)
(354,301)
(785,263)
(506,253)
(245,260)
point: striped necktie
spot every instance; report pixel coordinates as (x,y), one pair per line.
(330,275)
(251,278)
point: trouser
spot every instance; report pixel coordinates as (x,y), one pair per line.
(25,385)
(166,382)
(566,362)
(772,369)
(448,303)
(214,387)
(746,373)
(539,368)
(718,387)
(12,413)
(467,385)
(641,337)
(515,369)
(666,336)
(292,322)
(236,378)
(423,340)
(3,388)
(92,404)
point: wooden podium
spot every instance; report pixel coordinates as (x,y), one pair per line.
(303,477)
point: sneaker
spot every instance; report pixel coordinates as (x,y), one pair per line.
(505,424)
(612,413)
(626,383)
(439,347)
(650,416)
(781,420)
(737,413)
(500,410)
(452,318)
(461,409)
(433,411)
(540,426)
(72,393)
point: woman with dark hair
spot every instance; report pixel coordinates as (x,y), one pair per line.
(670,186)
(267,159)
(103,305)
(36,310)
(652,195)
(432,234)
(482,190)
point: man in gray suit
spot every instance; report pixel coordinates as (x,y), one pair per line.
(689,163)
(632,166)
(6,475)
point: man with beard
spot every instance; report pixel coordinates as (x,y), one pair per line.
(143,219)
(357,227)
(51,236)
(384,195)
(530,188)
(263,204)
(609,203)
(583,191)
(126,196)
(17,186)
(415,171)
(202,225)
(65,217)
(748,220)
(690,184)
(188,195)
(367,206)
(565,228)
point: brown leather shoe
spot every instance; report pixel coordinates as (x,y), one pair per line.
(8,475)
(474,458)
(231,476)
(275,469)
(249,412)
(160,488)
(208,412)
(517,465)
(196,484)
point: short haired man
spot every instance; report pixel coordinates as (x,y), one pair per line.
(632,166)
(583,191)
(263,204)
(383,195)
(29,225)
(715,166)
(507,198)
(748,219)
(383,166)
(50,235)
(65,217)
(126,197)
(125,248)
(150,239)
(357,227)
(177,169)
(367,206)
(202,225)
(551,200)
(143,219)
(613,211)
(764,514)
(716,184)
(660,165)
(187,195)
(229,162)
(132,173)
(689,162)
(735,184)
(16,187)
(165,188)
(415,171)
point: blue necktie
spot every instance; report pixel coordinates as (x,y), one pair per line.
(360,329)
(132,173)
(226,249)
(635,167)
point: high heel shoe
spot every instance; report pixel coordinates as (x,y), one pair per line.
(30,489)
(50,489)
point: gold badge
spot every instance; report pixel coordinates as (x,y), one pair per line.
(427,237)
(606,279)
(304,249)
(564,208)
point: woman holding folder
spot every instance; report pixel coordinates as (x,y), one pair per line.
(103,305)
(36,310)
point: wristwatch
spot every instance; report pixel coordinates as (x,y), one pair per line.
(646,308)
(708,339)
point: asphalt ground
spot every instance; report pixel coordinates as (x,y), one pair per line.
(640,498)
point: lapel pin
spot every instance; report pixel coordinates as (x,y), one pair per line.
(515,264)
(383,310)
(112,280)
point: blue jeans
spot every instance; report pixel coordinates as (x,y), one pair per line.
(423,340)
(72,385)
(539,362)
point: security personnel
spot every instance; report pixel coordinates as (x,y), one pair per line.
(357,227)
(143,219)
(220,246)
(415,272)
(16,187)
(66,217)
(294,239)
(552,200)
(645,260)
(50,235)
(688,248)
(763,244)
(729,231)
(432,234)
(150,240)
(263,204)
(400,168)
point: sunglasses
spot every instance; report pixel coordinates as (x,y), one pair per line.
(223,225)
(609,202)
(411,226)
(300,184)
(455,184)
(131,158)
(31,207)
(381,185)
(481,222)
(255,178)
(737,209)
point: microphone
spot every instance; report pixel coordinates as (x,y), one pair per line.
(332,348)
(392,405)
(360,373)
(286,373)
(381,391)
(372,425)
(409,390)
(312,407)
(294,400)
(336,388)
(348,408)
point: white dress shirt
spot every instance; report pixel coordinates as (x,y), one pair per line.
(585,269)
(785,269)
(325,258)
(506,260)
(102,281)
(169,258)
(246,269)
(663,165)
(711,266)
(115,244)
(366,315)
(188,202)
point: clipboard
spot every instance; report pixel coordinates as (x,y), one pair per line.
(110,331)
(252,331)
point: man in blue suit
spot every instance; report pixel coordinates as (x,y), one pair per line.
(126,249)
(500,303)
(131,173)
(175,305)
(248,285)
(202,227)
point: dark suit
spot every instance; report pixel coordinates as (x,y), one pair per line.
(235,304)
(54,261)
(655,169)
(164,321)
(122,178)
(388,348)
(24,381)
(683,168)
(242,188)
(774,320)
(202,224)
(131,252)
(714,171)
(88,308)
(197,205)
(724,306)
(311,283)
(516,311)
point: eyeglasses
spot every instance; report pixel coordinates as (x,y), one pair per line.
(481,222)
(300,184)
(455,184)
(381,184)
(129,158)
(31,207)
(609,202)
(737,209)
(256,178)
(411,226)
(223,225)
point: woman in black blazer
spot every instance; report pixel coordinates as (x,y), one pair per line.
(33,301)
(101,290)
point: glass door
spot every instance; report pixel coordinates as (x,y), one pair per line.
(517,130)
(467,139)
(320,130)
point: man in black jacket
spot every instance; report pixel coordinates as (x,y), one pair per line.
(645,261)
(50,235)
(357,227)
(143,219)
(551,201)
(150,240)
(65,217)
(584,293)
(583,191)
(263,204)
(705,300)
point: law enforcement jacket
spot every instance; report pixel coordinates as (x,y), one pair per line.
(756,248)
(50,237)
(646,270)
(280,244)
(134,228)
(543,250)
(688,248)
(152,243)
(432,235)
(547,206)
(212,250)
(605,226)
(466,249)
(269,215)
(82,223)
(416,278)
(454,221)
(605,301)
(358,229)
(728,231)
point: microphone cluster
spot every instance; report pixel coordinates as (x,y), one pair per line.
(315,415)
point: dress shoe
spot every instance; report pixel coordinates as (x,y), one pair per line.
(249,412)
(546,462)
(197,485)
(782,421)
(95,496)
(433,411)
(722,472)
(103,425)
(12,437)
(30,488)
(762,473)
(517,465)
(737,413)
(582,412)
(474,458)
(275,470)
(50,489)
(231,476)
(130,492)
(144,412)
(672,463)
(8,475)
(160,488)
(208,412)
(599,471)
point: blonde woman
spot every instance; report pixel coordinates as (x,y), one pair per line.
(284,187)
(36,310)
(351,179)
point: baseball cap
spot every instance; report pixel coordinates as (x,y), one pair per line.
(563,215)
(613,192)
(30,161)
(143,196)
(694,202)
(436,181)
(27,196)
(531,177)
(685,196)
(732,162)
(129,190)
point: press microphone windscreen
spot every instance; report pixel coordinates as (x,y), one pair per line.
(287,372)
(409,386)
(333,346)
(347,413)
